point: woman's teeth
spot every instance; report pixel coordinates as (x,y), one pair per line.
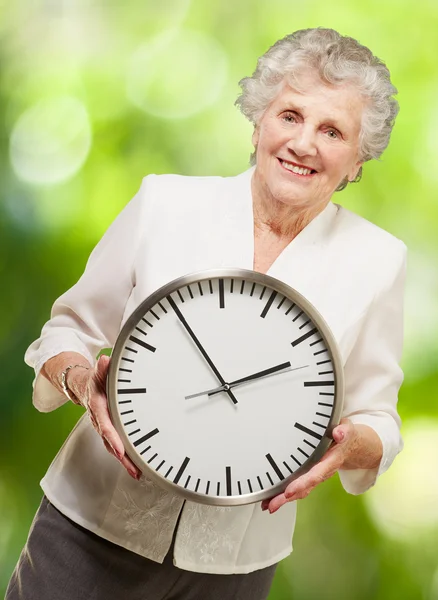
(295,169)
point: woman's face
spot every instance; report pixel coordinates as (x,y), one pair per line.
(316,128)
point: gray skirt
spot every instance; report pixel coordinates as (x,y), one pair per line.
(63,561)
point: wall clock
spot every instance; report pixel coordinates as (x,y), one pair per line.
(224,385)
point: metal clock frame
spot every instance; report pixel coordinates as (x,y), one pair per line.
(274,284)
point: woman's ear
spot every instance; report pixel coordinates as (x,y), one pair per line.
(354,171)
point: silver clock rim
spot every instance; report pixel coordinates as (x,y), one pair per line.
(274,284)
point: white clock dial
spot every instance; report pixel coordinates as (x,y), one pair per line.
(225,385)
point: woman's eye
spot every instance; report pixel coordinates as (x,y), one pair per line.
(289,118)
(332,134)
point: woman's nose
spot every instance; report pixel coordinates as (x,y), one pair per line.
(304,142)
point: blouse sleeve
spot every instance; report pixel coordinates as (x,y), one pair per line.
(373,378)
(87,317)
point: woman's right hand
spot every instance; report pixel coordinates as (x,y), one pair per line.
(89,386)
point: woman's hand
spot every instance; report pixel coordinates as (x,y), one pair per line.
(355,447)
(89,386)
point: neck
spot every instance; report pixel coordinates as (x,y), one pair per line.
(282,220)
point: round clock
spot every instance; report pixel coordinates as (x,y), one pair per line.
(225,385)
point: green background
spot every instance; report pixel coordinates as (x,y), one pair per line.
(95,96)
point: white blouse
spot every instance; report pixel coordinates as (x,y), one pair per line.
(351,270)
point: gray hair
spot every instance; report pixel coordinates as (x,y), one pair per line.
(338,60)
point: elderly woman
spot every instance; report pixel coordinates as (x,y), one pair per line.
(321,105)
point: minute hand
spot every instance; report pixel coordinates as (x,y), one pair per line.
(199,345)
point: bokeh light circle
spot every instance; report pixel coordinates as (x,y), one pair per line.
(50,141)
(177,74)
(404,502)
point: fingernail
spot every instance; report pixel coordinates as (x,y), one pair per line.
(133,474)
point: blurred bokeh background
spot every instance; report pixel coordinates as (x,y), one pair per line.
(95,95)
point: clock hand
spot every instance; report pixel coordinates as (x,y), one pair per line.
(284,367)
(199,345)
(278,370)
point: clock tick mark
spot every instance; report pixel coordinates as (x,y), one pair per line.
(252,289)
(187,481)
(281,302)
(180,296)
(168,471)
(126,412)
(197,485)
(141,331)
(302,452)
(287,467)
(304,337)
(210,285)
(128,360)
(145,450)
(291,307)
(141,343)
(146,437)
(325,404)
(221,294)
(134,432)
(190,292)
(228,480)
(154,314)
(298,316)
(242,286)
(132,391)
(310,444)
(124,402)
(130,422)
(268,304)
(260,482)
(275,466)
(308,431)
(263,293)
(249,486)
(160,465)
(320,352)
(207,487)
(162,308)
(200,288)
(269,478)
(147,322)
(296,460)
(317,383)
(181,469)
(152,458)
(304,324)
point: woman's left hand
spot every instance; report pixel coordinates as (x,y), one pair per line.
(355,446)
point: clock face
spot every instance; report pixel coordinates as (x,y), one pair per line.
(225,385)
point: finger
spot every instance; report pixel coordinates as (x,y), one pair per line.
(276,502)
(125,461)
(98,407)
(343,432)
(101,371)
(326,468)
